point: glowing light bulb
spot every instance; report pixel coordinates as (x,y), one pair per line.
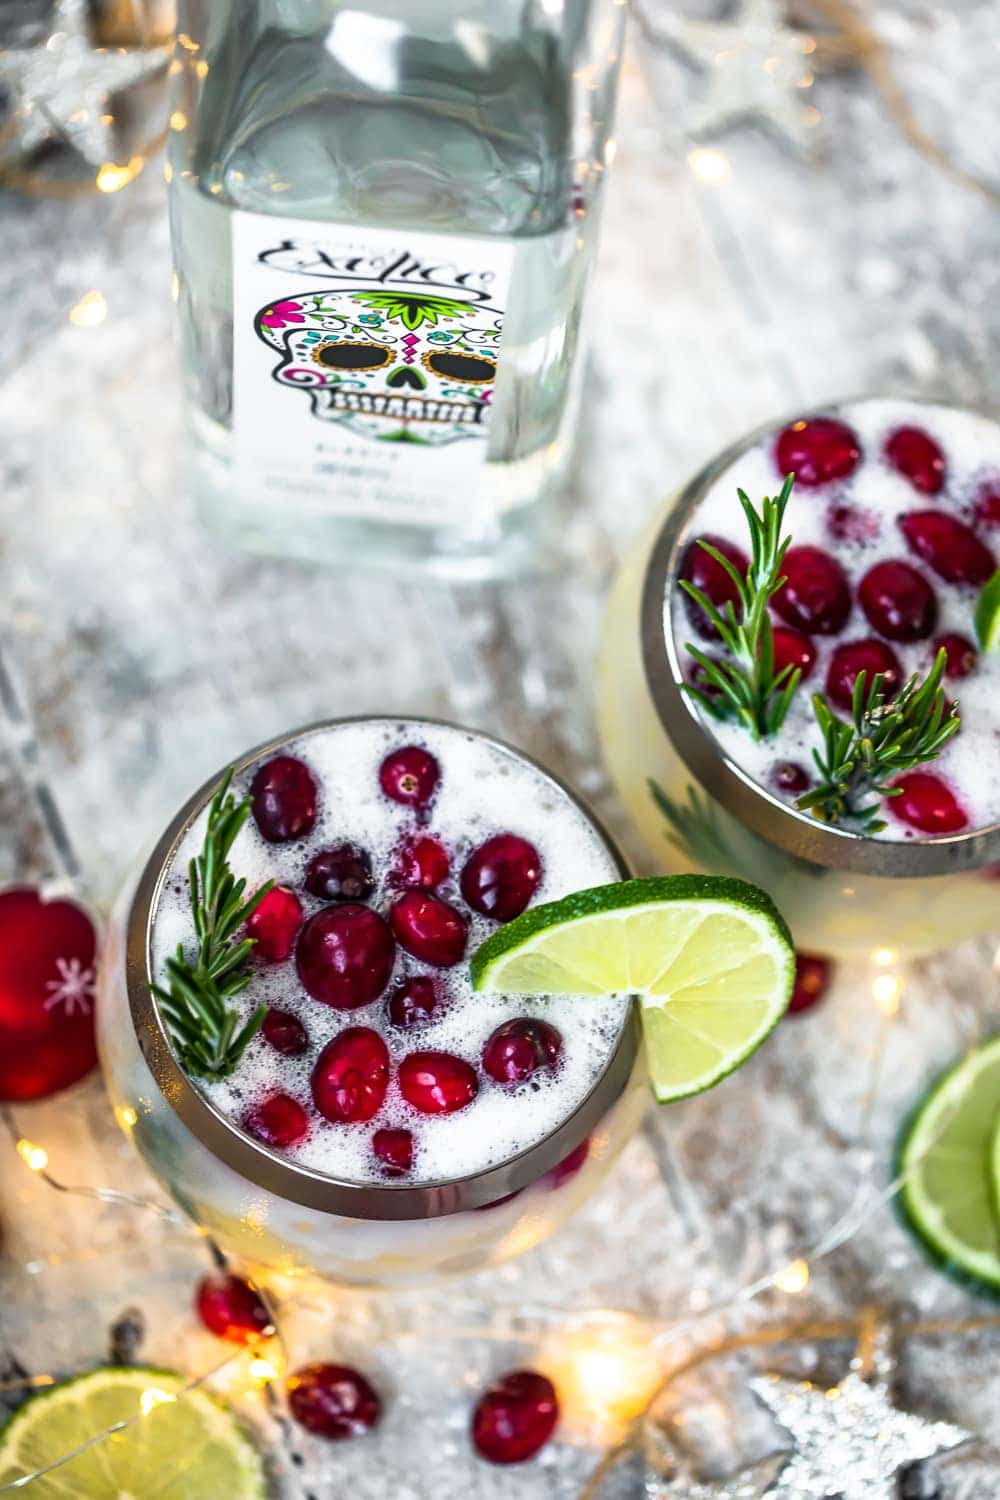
(178,120)
(886,990)
(710,165)
(262,1369)
(794,1278)
(112,176)
(152,1397)
(126,1116)
(90,311)
(606,1370)
(35,1157)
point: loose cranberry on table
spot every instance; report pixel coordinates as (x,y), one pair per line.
(790,778)
(501,876)
(437,1083)
(283,1031)
(345,956)
(343,873)
(409,776)
(913,453)
(429,928)
(231,1309)
(518,1049)
(962,658)
(394,1149)
(898,601)
(274,925)
(793,649)
(414,1001)
(948,546)
(351,1076)
(816,596)
(927,803)
(870,656)
(279,1121)
(421,863)
(701,569)
(817,450)
(332,1401)
(812,979)
(515,1418)
(283,799)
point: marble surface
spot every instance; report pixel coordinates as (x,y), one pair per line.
(145,655)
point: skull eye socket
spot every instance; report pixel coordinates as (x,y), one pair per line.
(469,368)
(352,356)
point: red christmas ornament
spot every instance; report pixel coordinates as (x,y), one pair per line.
(47,993)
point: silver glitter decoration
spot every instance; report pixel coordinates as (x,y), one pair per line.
(62,89)
(751,1484)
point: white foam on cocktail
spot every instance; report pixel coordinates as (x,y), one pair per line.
(484,789)
(970,762)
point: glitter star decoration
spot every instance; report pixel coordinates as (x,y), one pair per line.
(61,90)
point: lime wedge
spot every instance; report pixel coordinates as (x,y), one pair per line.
(994,1169)
(987,614)
(180,1449)
(709,959)
(948,1192)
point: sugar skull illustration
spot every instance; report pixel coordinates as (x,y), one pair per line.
(391,366)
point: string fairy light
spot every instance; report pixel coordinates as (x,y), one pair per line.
(36,1159)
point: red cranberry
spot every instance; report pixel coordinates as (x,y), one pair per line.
(422,863)
(351,1076)
(986,508)
(898,602)
(812,978)
(343,873)
(332,1401)
(914,454)
(962,656)
(274,925)
(569,1166)
(231,1309)
(409,776)
(789,778)
(515,1417)
(815,596)
(517,1049)
(501,876)
(849,523)
(817,450)
(283,799)
(345,956)
(285,1032)
(793,649)
(394,1149)
(414,1001)
(701,569)
(437,1083)
(948,546)
(430,929)
(869,656)
(278,1120)
(926,803)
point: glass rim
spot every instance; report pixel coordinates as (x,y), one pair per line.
(764,813)
(292,1181)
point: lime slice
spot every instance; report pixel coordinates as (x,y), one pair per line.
(710,960)
(948,1195)
(987,615)
(994,1170)
(179,1449)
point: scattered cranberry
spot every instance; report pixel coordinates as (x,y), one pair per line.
(926,803)
(274,925)
(437,1083)
(394,1149)
(701,569)
(569,1166)
(429,928)
(815,596)
(914,454)
(283,799)
(961,655)
(278,1120)
(343,873)
(351,1076)
(414,1001)
(789,778)
(812,979)
(948,546)
(793,649)
(501,876)
(518,1049)
(898,601)
(986,508)
(515,1417)
(285,1032)
(409,776)
(231,1309)
(345,956)
(422,863)
(332,1401)
(849,523)
(817,450)
(870,656)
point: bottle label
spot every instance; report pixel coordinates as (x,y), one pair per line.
(364,366)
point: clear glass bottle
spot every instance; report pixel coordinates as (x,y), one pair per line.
(383,221)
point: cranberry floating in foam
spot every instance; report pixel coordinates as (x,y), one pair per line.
(962,658)
(927,803)
(274,925)
(515,1418)
(986,507)
(429,928)
(332,1401)
(816,596)
(501,876)
(345,956)
(421,863)
(817,450)
(898,601)
(414,1001)
(437,1083)
(870,656)
(283,799)
(394,1149)
(914,454)
(285,1032)
(701,569)
(853,523)
(790,778)
(409,776)
(351,1076)
(279,1121)
(948,546)
(231,1309)
(793,649)
(518,1049)
(343,873)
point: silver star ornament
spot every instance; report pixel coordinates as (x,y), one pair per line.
(62,89)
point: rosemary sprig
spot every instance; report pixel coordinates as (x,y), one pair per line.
(743,684)
(883,739)
(203,1025)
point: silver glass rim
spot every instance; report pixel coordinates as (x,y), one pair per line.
(722,778)
(289,1180)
